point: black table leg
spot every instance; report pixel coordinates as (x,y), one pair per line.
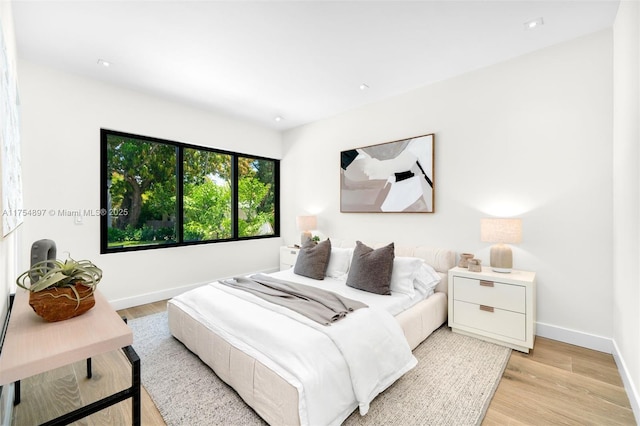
(136,400)
(133,392)
(16,393)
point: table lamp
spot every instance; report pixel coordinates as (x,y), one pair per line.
(306,224)
(502,232)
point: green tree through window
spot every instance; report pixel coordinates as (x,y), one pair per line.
(142,188)
(207,195)
(256,206)
(161,193)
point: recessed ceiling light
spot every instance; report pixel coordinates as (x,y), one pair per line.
(364,86)
(534,23)
(104,63)
(278,119)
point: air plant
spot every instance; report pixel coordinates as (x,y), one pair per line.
(50,274)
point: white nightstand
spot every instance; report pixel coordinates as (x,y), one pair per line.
(492,306)
(288,256)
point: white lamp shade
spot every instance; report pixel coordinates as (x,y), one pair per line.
(498,230)
(306,223)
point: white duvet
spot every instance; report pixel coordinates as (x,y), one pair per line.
(335,369)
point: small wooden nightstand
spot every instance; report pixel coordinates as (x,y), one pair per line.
(493,306)
(288,256)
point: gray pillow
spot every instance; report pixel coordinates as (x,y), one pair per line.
(313,259)
(371,269)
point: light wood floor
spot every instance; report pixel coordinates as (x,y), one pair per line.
(557,384)
(560,384)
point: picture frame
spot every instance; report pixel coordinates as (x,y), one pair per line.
(11,199)
(391,177)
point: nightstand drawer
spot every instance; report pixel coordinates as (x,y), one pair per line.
(490,320)
(509,297)
(288,257)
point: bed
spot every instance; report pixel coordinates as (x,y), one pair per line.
(274,392)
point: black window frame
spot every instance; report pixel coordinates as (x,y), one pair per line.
(180,146)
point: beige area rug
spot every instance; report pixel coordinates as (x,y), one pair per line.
(453,383)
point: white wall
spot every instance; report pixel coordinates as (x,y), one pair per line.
(62,115)
(530,137)
(626,197)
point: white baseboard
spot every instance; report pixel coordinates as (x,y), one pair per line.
(574,337)
(632,391)
(143,299)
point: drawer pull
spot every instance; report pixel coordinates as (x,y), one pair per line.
(484,283)
(292,252)
(486,308)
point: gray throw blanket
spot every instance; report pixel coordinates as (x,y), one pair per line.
(319,305)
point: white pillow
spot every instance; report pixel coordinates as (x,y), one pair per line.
(339,262)
(426,278)
(403,274)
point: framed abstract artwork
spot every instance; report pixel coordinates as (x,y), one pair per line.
(390,177)
(11,201)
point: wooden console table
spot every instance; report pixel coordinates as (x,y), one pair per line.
(33,346)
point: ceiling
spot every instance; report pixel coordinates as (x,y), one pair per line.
(300,60)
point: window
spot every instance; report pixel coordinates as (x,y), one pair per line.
(256,197)
(157,193)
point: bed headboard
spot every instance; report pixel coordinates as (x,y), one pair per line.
(440,259)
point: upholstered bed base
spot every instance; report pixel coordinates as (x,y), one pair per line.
(271,396)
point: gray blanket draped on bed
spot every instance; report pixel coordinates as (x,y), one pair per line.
(319,305)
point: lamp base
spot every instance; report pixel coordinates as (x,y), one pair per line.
(304,237)
(501,258)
